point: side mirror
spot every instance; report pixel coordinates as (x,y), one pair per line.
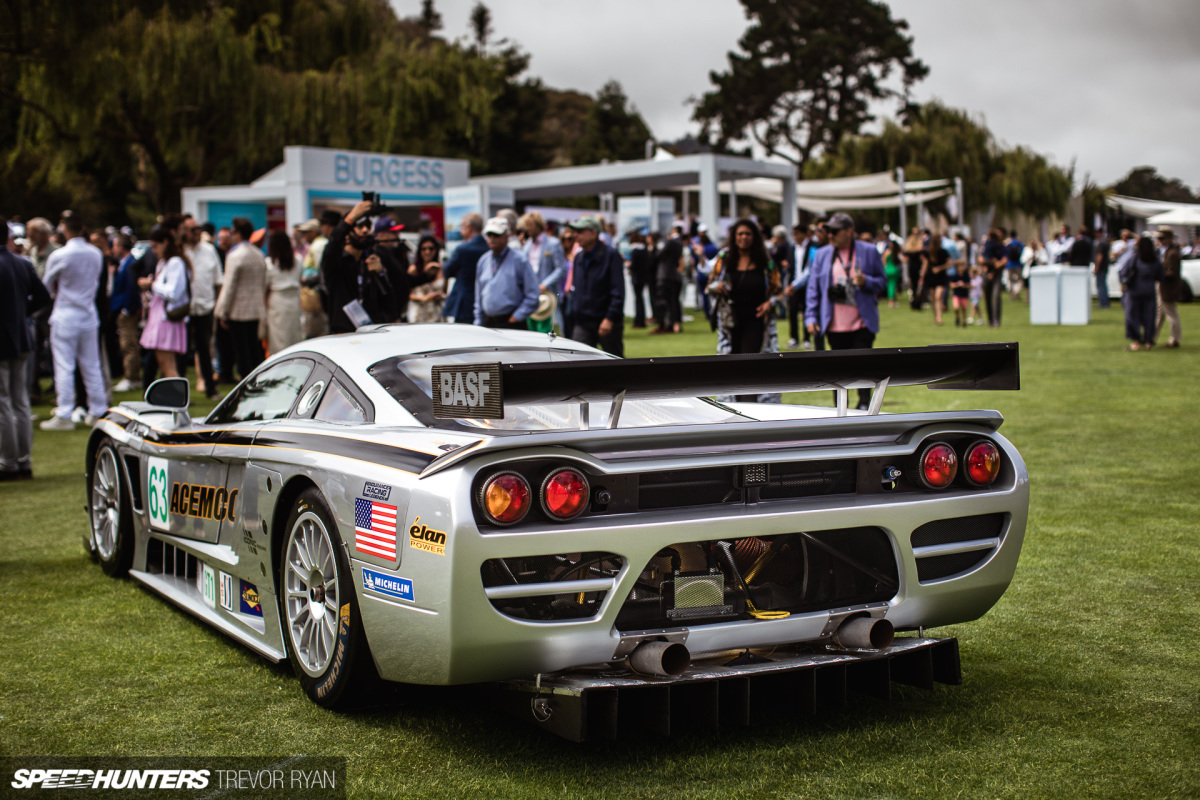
(169,393)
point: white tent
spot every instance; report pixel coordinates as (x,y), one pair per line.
(1142,208)
(1184,215)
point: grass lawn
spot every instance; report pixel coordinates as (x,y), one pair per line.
(1081,682)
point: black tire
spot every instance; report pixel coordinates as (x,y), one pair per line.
(110,513)
(323,635)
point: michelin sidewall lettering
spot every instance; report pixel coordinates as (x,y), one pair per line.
(339,654)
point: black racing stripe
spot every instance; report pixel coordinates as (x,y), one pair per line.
(376,452)
(118,418)
(190,437)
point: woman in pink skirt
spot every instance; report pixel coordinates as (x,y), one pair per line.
(170,290)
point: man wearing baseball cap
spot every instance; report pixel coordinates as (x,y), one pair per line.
(595,290)
(506,289)
(843,285)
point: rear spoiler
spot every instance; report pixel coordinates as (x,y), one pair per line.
(992,367)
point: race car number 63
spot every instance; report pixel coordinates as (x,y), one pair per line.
(158,500)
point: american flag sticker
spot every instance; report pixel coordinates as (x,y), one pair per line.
(375,528)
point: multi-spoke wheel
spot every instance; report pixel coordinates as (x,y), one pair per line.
(111,516)
(324,633)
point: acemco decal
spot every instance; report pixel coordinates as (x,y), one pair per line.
(204,502)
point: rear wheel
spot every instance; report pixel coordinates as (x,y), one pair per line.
(111,516)
(324,636)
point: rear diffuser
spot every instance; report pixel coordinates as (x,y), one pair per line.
(728,689)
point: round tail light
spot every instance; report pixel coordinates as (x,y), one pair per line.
(982,462)
(565,493)
(505,498)
(938,466)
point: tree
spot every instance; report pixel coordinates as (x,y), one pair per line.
(806,75)
(481,26)
(613,129)
(146,100)
(429,20)
(935,141)
(1147,183)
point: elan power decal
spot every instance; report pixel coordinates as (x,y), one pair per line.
(388,584)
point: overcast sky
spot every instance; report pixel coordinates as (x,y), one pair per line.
(1110,84)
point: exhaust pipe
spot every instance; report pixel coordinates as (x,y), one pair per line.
(865,633)
(660,658)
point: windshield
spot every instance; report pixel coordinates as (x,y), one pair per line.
(416,371)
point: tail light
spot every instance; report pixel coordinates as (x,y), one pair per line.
(938,466)
(506,498)
(982,463)
(565,493)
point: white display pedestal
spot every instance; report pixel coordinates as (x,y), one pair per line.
(1044,295)
(1075,296)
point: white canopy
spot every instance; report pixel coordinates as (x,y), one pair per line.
(1140,207)
(1184,215)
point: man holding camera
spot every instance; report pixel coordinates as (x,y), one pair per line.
(843,286)
(355,271)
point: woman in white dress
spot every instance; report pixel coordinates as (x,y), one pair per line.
(283,293)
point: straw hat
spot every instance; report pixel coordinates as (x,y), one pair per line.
(547,304)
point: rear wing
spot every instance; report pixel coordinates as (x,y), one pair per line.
(482,390)
(990,367)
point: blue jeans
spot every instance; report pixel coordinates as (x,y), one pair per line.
(1102,289)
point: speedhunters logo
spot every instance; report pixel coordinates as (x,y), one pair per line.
(110,779)
(261,778)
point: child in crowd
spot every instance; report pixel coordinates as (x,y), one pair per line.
(974,315)
(960,290)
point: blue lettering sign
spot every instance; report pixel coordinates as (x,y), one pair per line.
(393,172)
(376,171)
(423,173)
(341,168)
(438,180)
(355,163)
(409,167)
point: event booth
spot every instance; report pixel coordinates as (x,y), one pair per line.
(311,179)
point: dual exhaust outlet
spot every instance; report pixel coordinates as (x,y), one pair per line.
(671,659)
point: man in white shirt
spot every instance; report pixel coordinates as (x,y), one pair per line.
(73,276)
(206,280)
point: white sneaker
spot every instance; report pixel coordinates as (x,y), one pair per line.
(123,385)
(793,344)
(807,346)
(89,420)
(77,415)
(57,423)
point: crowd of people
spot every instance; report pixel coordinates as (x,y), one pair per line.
(96,312)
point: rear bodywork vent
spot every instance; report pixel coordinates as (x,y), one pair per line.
(551,588)
(809,479)
(948,547)
(688,487)
(717,581)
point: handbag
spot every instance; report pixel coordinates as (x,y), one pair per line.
(182,312)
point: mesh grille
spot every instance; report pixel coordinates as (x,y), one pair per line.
(935,567)
(958,529)
(688,487)
(810,479)
(697,592)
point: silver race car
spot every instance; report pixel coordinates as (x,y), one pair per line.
(450,504)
